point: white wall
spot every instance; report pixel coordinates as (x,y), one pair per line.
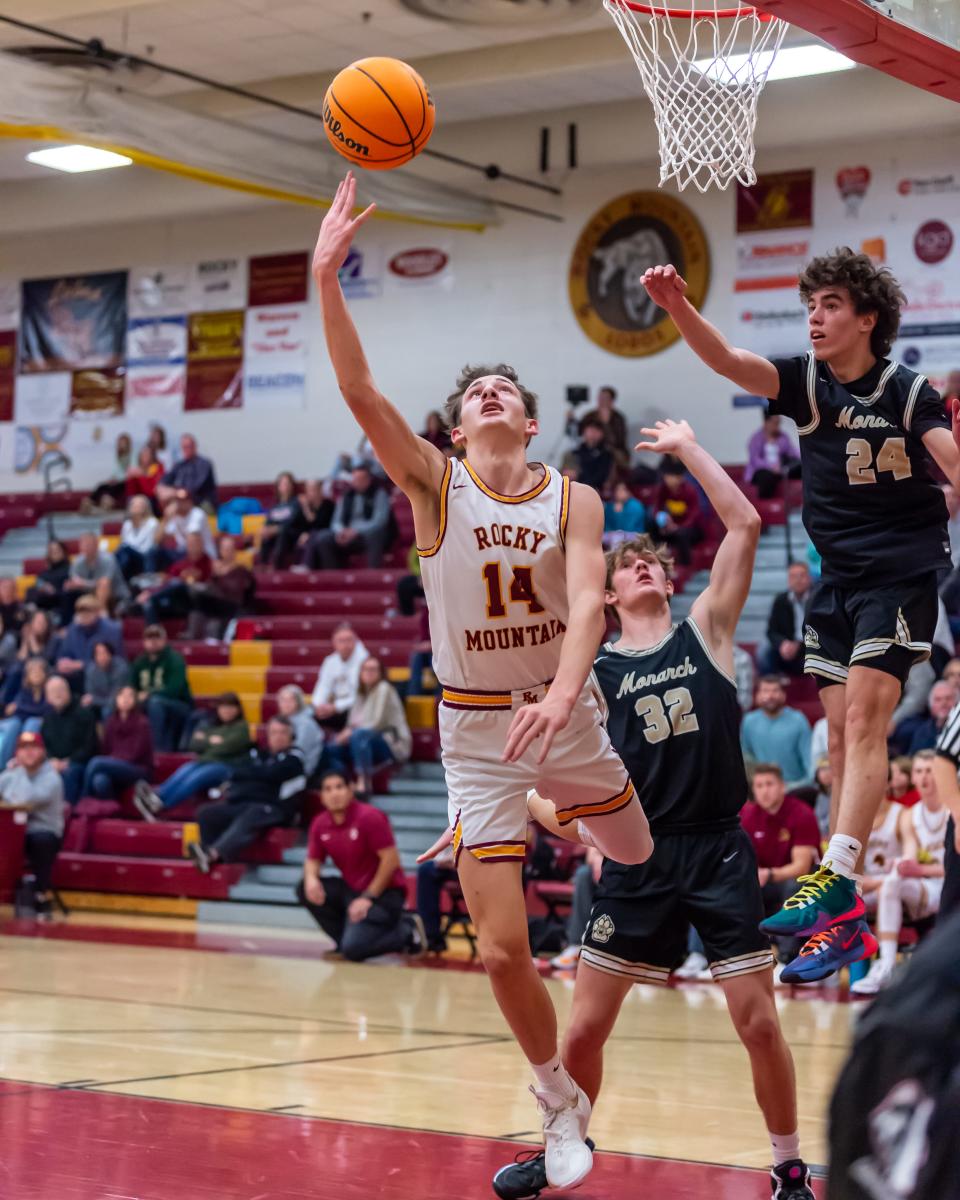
(509,302)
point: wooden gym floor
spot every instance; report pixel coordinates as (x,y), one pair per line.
(140,1060)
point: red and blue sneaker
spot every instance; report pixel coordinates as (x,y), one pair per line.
(830,950)
(823,899)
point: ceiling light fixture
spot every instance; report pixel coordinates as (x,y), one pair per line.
(792,62)
(76,159)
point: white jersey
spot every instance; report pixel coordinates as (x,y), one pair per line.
(931,832)
(883,848)
(495,581)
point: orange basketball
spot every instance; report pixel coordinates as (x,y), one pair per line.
(378,113)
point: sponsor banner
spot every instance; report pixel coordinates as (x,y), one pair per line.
(158,387)
(97,393)
(218,283)
(215,360)
(215,335)
(278,279)
(778,200)
(159,291)
(8,372)
(852,185)
(420,266)
(933,354)
(924,256)
(42,399)
(930,190)
(156,341)
(771,323)
(360,275)
(275,356)
(9,303)
(75,323)
(771,260)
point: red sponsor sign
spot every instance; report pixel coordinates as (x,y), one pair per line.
(778,200)
(278,279)
(8,372)
(420,263)
(214,383)
(853,181)
(933,241)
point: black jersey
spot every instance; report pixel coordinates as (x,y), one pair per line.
(870,504)
(674,719)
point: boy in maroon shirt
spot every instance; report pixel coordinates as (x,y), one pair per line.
(786,839)
(362,911)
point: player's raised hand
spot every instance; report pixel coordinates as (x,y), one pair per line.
(667,437)
(955,426)
(543,720)
(664,285)
(339,228)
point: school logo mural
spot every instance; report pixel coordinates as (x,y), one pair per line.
(615,248)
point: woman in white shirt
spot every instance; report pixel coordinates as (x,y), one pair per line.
(138,535)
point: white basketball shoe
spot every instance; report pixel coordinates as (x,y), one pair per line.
(569,1159)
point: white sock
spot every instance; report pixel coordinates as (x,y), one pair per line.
(554,1078)
(888,951)
(785,1147)
(842,854)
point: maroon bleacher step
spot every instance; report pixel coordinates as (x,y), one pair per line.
(144,876)
(164,839)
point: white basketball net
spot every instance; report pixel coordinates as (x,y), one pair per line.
(703,75)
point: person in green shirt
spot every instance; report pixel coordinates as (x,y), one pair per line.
(219,748)
(160,677)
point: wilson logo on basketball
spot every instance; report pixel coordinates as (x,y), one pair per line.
(418,264)
(335,132)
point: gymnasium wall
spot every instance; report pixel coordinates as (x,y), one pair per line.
(504,296)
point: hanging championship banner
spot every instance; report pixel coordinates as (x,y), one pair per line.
(278,279)
(778,200)
(275,356)
(8,372)
(73,324)
(215,360)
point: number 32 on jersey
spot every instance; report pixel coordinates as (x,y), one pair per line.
(673,714)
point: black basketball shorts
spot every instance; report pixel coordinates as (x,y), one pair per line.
(887,628)
(707,880)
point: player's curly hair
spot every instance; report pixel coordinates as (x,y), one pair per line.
(872,289)
(468,375)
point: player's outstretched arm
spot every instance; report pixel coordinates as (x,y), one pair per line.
(717,610)
(586,572)
(413,464)
(943,445)
(749,371)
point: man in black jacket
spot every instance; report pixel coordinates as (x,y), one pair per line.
(362,523)
(783,653)
(311,514)
(69,732)
(261,793)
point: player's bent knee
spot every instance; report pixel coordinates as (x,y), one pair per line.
(758,1027)
(500,958)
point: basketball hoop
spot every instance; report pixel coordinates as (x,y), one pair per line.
(703,69)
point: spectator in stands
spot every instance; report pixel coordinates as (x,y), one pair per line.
(9,645)
(786,840)
(226,594)
(138,537)
(775,733)
(34,786)
(13,612)
(126,750)
(421,658)
(435,431)
(624,516)
(376,734)
(361,909)
(362,523)
(613,424)
(105,674)
(823,782)
(69,733)
(951,672)
(312,513)
(181,517)
(160,677)
(771,457)
(26,710)
(75,647)
(175,595)
(219,748)
(920,732)
(585,880)
(593,460)
(307,734)
(47,592)
(38,638)
(110,493)
(783,653)
(157,441)
(677,512)
(338,678)
(93,570)
(432,876)
(900,788)
(144,476)
(914,885)
(745,674)
(278,514)
(263,791)
(410,586)
(193,474)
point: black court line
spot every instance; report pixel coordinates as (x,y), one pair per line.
(727,1041)
(300,1062)
(65,1083)
(279,1108)
(372,1027)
